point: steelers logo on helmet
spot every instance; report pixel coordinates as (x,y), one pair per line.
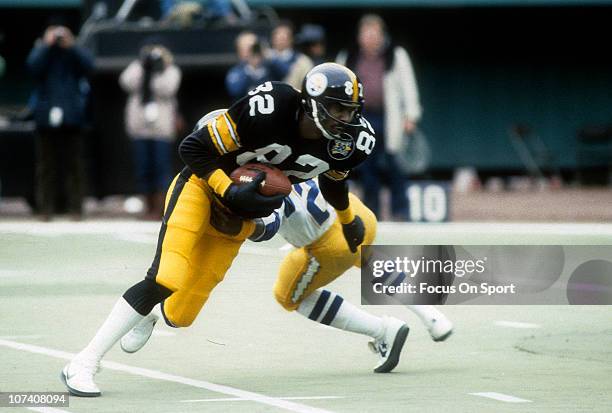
(316,84)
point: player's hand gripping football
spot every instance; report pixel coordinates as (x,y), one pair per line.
(245,200)
(354,232)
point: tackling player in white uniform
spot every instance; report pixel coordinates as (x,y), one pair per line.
(310,224)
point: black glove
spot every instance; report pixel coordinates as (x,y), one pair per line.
(244,200)
(354,232)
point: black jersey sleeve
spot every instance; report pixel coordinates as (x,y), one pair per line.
(202,149)
(198,154)
(216,137)
(334,191)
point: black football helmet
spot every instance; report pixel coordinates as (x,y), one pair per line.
(328,84)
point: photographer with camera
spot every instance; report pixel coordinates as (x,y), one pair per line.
(151,117)
(60,69)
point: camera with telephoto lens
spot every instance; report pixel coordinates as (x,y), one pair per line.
(154,60)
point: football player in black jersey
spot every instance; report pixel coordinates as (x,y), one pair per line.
(316,132)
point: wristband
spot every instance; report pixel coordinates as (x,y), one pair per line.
(219,181)
(346,216)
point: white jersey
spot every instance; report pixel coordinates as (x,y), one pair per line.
(305,214)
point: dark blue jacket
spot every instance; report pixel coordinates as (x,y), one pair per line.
(59,74)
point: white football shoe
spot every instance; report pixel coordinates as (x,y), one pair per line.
(440,328)
(138,336)
(390,345)
(78,376)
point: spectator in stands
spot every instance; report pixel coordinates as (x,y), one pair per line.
(252,69)
(187,12)
(392,107)
(151,114)
(288,65)
(311,41)
(59,67)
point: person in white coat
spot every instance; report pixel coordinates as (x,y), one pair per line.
(392,107)
(152,82)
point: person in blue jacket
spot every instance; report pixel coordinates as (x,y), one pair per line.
(60,69)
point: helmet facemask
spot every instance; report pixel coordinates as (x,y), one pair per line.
(330,126)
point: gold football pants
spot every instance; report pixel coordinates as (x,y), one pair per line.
(192,256)
(311,267)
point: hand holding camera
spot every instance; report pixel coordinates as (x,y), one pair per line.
(59,36)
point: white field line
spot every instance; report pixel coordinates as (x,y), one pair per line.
(47,410)
(501,397)
(235,399)
(154,374)
(516,324)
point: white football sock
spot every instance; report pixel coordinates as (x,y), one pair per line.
(121,319)
(329,308)
(426,313)
(157,311)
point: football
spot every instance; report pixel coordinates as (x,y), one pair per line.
(275,183)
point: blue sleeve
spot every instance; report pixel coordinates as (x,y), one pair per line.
(271,225)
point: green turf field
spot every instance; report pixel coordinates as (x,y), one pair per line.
(246,354)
